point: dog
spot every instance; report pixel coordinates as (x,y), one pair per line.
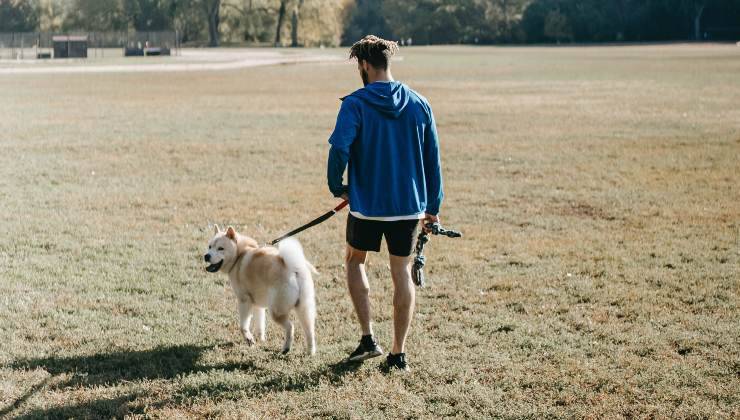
(266,278)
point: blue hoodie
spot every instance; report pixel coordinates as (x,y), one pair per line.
(386,132)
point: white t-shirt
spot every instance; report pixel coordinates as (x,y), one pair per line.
(388,219)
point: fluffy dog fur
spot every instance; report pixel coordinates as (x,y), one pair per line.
(266,278)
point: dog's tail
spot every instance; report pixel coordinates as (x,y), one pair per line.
(292,253)
(312,268)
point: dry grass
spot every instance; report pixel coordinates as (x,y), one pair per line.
(597,188)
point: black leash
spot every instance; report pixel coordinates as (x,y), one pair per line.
(313,222)
(417,271)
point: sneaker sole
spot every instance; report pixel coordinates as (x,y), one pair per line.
(364,356)
(400,369)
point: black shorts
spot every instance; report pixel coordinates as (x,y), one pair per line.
(366,235)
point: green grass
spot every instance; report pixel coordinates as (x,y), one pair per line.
(598,275)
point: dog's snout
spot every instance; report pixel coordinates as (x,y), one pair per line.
(207,257)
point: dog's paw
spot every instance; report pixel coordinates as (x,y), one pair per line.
(285,350)
(248,337)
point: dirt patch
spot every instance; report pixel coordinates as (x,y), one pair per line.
(576,209)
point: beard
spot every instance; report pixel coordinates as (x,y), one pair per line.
(364,76)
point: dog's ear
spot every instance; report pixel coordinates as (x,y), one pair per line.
(216,229)
(231,233)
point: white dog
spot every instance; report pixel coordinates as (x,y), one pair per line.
(266,278)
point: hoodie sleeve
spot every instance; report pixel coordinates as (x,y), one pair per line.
(345,132)
(432,167)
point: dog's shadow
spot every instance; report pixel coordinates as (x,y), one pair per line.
(109,408)
(105,369)
(163,362)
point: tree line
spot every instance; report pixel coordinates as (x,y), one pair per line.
(421,22)
(546,21)
(206,22)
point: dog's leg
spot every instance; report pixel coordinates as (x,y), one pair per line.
(245,320)
(284,321)
(307,317)
(259,320)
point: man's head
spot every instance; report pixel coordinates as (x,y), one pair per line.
(373,56)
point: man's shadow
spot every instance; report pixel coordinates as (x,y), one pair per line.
(332,374)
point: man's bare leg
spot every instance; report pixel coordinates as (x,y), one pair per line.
(404,296)
(359,288)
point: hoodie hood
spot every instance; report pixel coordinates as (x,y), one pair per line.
(389,98)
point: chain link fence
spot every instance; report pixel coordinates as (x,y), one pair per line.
(38,45)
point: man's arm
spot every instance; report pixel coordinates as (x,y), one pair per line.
(345,132)
(432,170)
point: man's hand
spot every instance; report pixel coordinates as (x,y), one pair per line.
(429,218)
(344,196)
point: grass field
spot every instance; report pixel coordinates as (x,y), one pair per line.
(598,277)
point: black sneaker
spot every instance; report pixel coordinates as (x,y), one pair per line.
(396,361)
(367,349)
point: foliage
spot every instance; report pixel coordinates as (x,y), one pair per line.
(96,15)
(154,15)
(368,17)
(18,15)
(629,20)
(557,26)
(436,21)
(189,21)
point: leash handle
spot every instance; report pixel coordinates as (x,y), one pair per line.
(417,270)
(437,229)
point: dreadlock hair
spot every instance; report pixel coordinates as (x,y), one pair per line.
(374,50)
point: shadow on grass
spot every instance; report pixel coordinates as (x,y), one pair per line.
(20,400)
(300,382)
(107,408)
(158,363)
(164,362)
(332,374)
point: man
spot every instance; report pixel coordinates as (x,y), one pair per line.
(386,136)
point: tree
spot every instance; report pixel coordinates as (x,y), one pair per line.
(369,17)
(627,18)
(282,10)
(188,20)
(151,15)
(720,20)
(249,20)
(96,15)
(52,14)
(557,26)
(697,8)
(212,11)
(590,20)
(320,22)
(294,25)
(280,21)
(18,16)
(502,19)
